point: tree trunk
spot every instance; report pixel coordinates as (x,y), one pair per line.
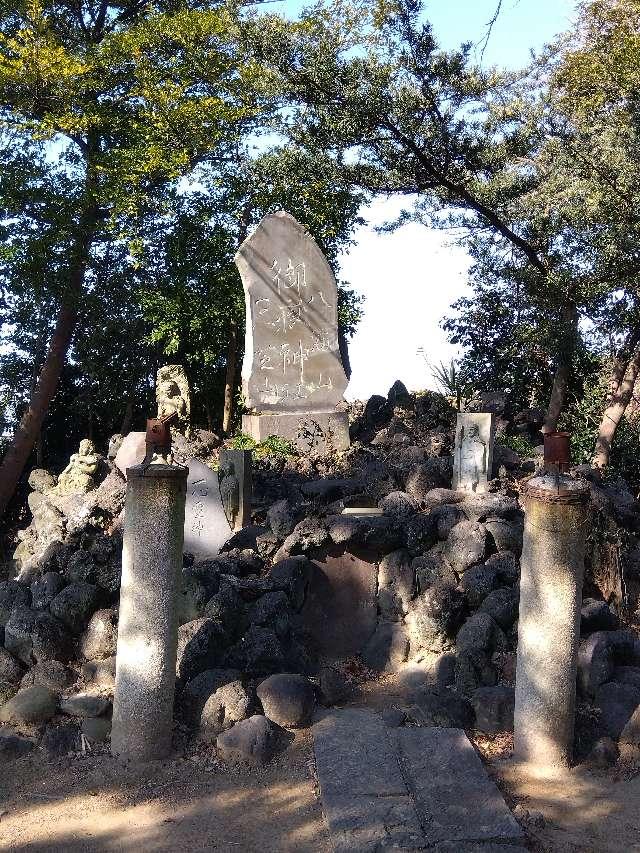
(556,401)
(230,377)
(616,406)
(28,429)
(563,370)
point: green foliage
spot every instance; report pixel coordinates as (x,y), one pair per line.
(582,420)
(272,445)
(452,378)
(519,443)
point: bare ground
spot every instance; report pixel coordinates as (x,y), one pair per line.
(95,803)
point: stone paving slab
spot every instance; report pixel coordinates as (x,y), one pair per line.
(407,789)
(354,756)
(455,798)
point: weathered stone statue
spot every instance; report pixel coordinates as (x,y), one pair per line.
(172,395)
(79,475)
(473,456)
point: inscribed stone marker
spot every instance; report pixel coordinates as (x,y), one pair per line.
(206,527)
(473,455)
(292,369)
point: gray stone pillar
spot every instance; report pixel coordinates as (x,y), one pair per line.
(552,569)
(148,624)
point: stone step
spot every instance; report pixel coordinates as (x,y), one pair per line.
(407,789)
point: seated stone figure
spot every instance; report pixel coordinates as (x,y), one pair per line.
(79,475)
(172,395)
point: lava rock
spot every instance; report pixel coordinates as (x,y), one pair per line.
(85,705)
(604,753)
(96,729)
(473,670)
(477,582)
(616,703)
(421,533)
(481,632)
(434,617)
(422,479)
(45,589)
(253,741)
(597,616)
(292,576)
(505,566)
(49,673)
(447,516)
(387,648)
(273,611)
(330,489)
(466,545)
(493,707)
(399,505)
(100,638)
(75,605)
(505,534)
(11,670)
(598,655)
(199,648)
(41,480)
(377,533)
(395,584)
(480,507)
(258,652)
(430,569)
(192,598)
(13,594)
(100,672)
(282,517)
(31,706)
(33,635)
(502,605)
(308,534)
(287,699)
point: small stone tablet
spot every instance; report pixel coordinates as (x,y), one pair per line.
(206,527)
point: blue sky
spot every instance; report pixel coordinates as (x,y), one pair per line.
(411,277)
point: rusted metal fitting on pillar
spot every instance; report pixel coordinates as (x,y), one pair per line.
(556,488)
(557,452)
(158,437)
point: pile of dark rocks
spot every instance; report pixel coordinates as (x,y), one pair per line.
(446,580)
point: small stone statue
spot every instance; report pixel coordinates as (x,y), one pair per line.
(79,475)
(115,443)
(473,457)
(172,395)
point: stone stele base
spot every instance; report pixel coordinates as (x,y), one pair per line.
(310,432)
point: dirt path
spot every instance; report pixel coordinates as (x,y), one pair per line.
(96,804)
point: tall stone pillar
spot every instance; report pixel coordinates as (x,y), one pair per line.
(148,624)
(552,569)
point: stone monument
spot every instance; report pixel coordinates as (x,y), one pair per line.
(206,527)
(473,454)
(235,476)
(292,375)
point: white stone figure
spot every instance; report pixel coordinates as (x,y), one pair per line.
(473,455)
